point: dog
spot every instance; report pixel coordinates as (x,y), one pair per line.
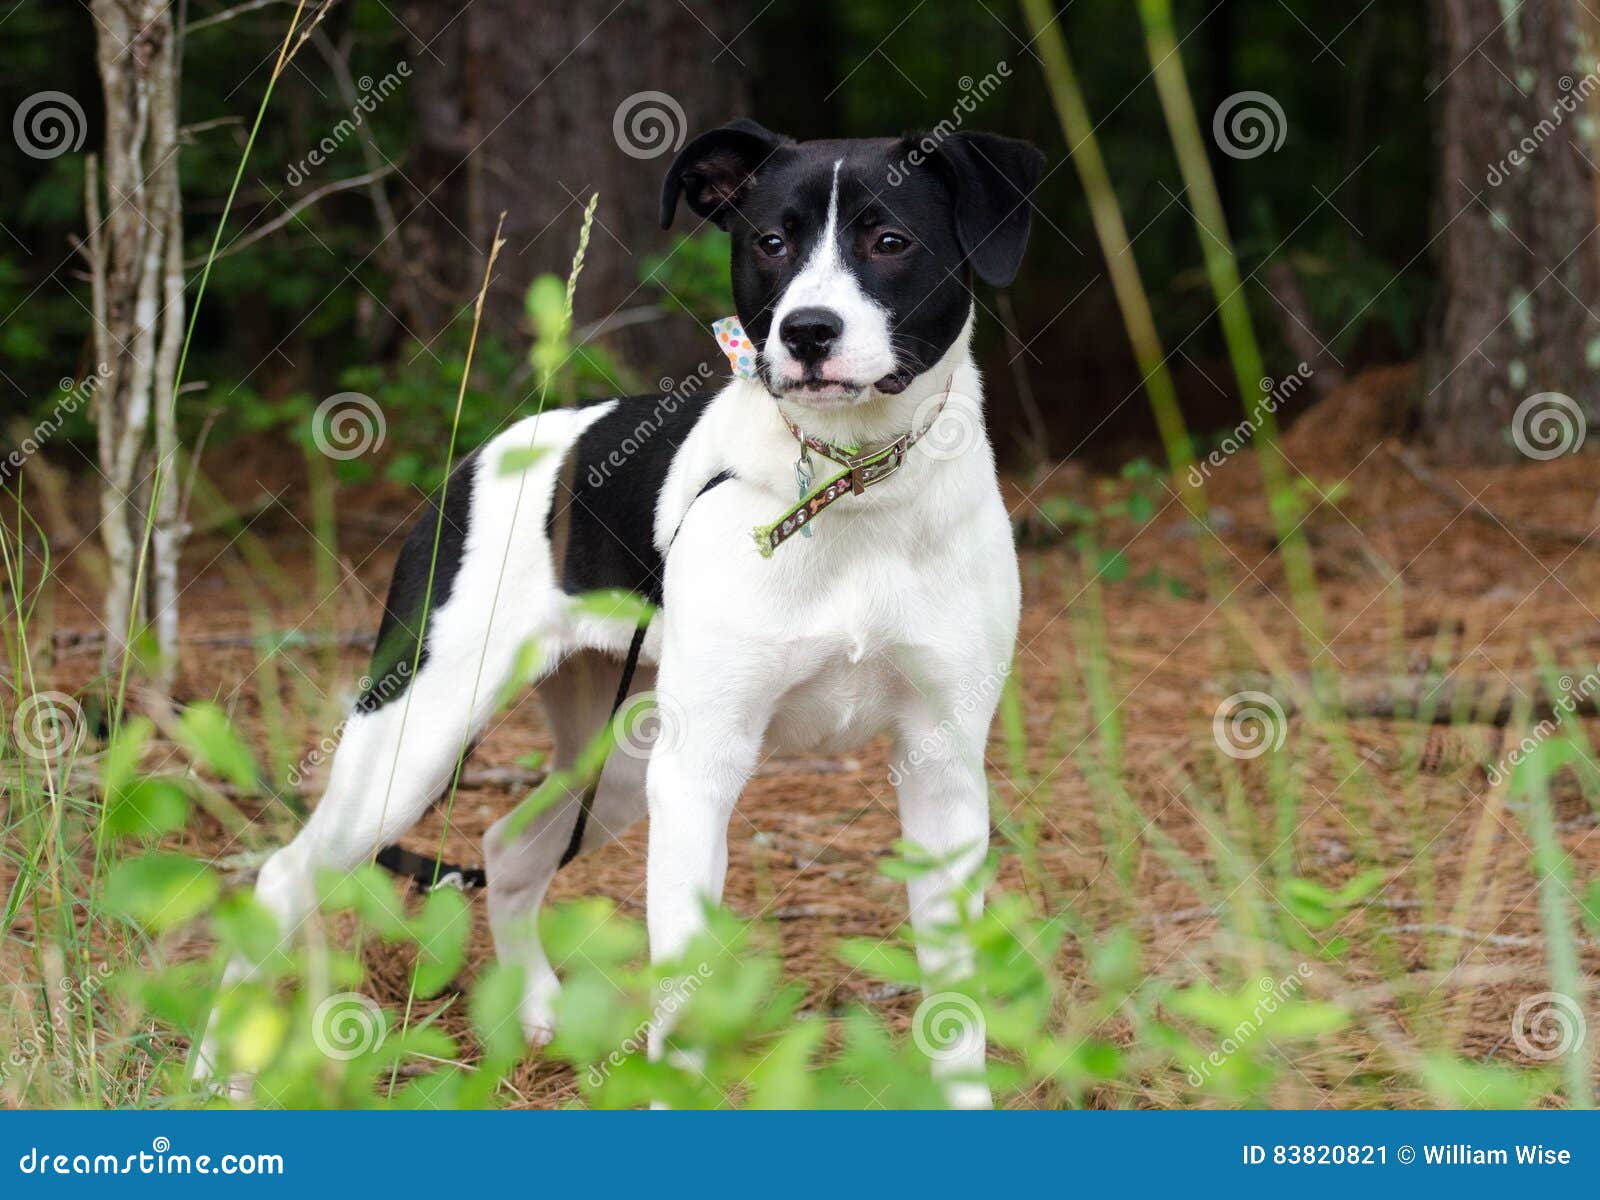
(790,615)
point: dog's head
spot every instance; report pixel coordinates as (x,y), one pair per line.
(853,260)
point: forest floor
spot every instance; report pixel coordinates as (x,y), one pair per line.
(1401,570)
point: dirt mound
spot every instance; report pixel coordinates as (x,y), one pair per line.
(1361,412)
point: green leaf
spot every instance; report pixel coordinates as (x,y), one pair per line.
(372,892)
(881,960)
(441,932)
(1100,1058)
(1114,961)
(161,891)
(1306,1018)
(204,729)
(1207,1006)
(518,459)
(1360,887)
(784,1078)
(1111,565)
(245,926)
(122,755)
(1461,1083)
(1543,763)
(494,1008)
(612,604)
(146,809)
(1309,902)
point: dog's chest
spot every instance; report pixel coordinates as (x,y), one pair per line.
(843,702)
(847,675)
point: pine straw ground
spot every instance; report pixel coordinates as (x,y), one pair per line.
(808,836)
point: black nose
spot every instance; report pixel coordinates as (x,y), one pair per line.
(809,333)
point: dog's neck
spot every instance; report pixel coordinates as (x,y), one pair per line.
(880,418)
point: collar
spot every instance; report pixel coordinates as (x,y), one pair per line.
(864,470)
(861,471)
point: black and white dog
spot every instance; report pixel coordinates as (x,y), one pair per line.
(896,612)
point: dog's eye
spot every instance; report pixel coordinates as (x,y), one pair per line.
(772,245)
(891,244)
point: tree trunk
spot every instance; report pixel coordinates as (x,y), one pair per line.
(515,107)
(1516,214)
(135,253)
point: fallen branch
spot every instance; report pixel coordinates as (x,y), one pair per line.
(70,641)
(1487,700)
(1509,940)
(1472,507)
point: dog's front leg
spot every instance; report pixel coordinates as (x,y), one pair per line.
(711,730)
(944,810)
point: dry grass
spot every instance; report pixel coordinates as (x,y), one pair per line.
(1402,579)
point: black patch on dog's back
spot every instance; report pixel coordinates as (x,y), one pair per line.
(401,647)
(602,517)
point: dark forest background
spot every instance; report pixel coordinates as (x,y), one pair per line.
(509,105)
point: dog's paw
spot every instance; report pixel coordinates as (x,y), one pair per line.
(538,1023)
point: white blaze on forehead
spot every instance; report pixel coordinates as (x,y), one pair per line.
(862,354)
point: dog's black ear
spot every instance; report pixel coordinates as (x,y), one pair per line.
(991,177)
(713,171)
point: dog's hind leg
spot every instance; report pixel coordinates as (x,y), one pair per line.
(577,699)
(453,622)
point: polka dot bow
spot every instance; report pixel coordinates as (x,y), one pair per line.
(741,354)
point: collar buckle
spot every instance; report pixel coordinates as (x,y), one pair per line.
(873,468)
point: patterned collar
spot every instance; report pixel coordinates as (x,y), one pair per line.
(861,472)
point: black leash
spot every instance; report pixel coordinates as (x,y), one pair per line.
(429,873)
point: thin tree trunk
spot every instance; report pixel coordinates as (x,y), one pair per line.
(168,527)
(1518,266)
(136,268)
